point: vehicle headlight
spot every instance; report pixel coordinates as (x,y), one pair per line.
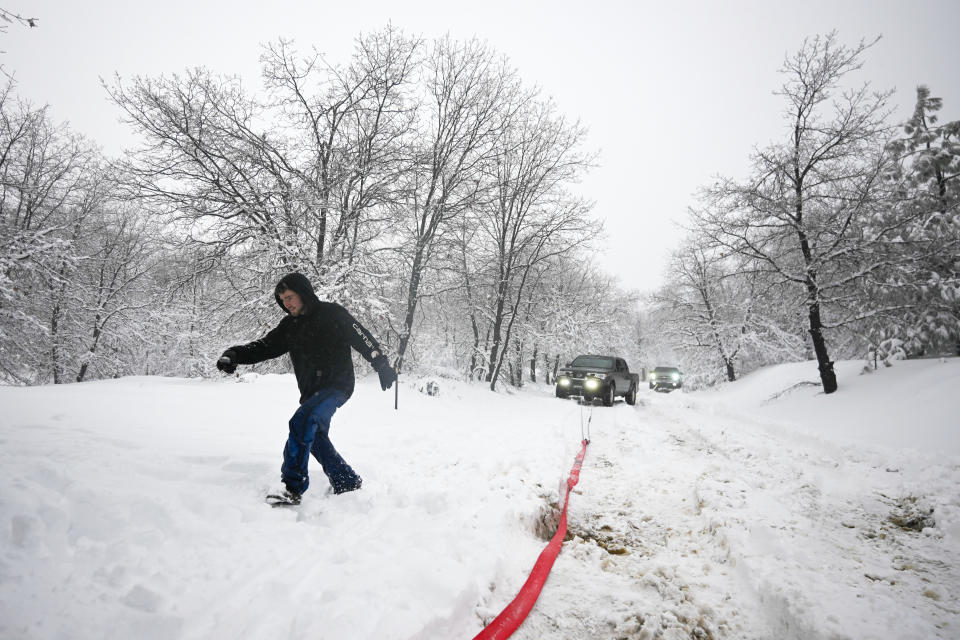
(653,376)
(564,382)
(675,376)
(591,384)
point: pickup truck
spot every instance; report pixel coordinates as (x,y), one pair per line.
(603,377)
(666,379)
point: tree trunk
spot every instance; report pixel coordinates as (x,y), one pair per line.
(54,349)
(55,327)
(495,359)
(827,375)
(519,354)
(93,348)
(731,374)
(713,322)
(475,351)
(413,292)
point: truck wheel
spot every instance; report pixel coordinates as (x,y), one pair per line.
(609,394)
(631,396)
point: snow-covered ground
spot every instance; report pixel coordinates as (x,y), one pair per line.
(133,508)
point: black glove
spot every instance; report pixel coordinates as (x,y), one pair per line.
(387,375)
(228,361)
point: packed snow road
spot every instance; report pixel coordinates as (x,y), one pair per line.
(694,524)
(134,508)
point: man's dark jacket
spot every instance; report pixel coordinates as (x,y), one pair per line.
(318,341)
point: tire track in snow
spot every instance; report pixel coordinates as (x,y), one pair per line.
(808,526)
(641,559)
(688,524)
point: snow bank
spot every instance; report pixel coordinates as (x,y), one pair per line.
(913,404)
(134,508)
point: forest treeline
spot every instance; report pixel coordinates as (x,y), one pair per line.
(430,190)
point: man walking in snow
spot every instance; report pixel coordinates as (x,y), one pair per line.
(318,336)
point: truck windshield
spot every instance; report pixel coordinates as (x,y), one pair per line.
(594,362)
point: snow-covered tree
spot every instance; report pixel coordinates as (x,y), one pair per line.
(295,178)
(720,316)
(917,299)
(467,90)
(529,217)
(801,217)
(71,255)
(41,216)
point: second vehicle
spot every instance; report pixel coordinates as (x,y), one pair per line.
(666,379)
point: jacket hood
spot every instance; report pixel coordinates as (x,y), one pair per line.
(298,283)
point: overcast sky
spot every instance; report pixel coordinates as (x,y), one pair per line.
(674,92)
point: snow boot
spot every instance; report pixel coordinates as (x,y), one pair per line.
(347,486)
(285,498)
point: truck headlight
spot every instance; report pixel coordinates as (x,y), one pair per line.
(591,384)
(653,377)
(564,382)
(675,376)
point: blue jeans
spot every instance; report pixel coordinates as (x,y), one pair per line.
(309,433)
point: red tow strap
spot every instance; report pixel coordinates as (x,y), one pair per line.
(516,612)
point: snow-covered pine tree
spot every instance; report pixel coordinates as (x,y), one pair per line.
(916,300)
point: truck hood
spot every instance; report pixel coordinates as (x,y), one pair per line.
(582,370)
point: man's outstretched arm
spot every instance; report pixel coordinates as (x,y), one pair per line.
(272,345)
